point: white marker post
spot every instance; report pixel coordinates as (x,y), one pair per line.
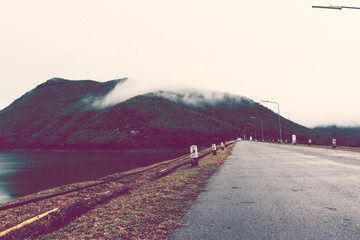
(213,147)
(194,155)
(294,139)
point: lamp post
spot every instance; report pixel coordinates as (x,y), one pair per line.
(335,7)
(262,131)
(254,128)
(278,114)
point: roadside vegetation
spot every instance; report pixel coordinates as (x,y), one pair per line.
(345,136)
(343,148)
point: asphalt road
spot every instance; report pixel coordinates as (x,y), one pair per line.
(273,191)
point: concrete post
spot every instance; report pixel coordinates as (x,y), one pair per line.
(213,147)
(194,155)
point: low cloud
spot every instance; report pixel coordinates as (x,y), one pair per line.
(191,97)
(122,92)
(199,98)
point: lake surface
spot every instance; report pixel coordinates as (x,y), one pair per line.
(22,173)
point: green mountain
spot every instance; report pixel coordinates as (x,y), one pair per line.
(244,115)
(60,114)
(345,136)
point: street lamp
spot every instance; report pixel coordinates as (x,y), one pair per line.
(254,128)
(335,7)
(262,132)
(278,114)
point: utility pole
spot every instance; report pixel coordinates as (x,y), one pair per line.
(278,114)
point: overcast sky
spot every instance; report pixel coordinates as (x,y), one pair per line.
(306,59)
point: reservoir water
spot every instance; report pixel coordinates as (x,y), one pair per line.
(22,173)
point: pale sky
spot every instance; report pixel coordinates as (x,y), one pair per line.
(305,59)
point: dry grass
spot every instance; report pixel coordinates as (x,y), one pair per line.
(151,211)
(343,148)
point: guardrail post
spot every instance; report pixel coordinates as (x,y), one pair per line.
(213,147)
(294,139)
(194,155)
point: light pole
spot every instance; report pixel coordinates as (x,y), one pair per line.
(335,7)
(262,131)
(278,114)
(254,128)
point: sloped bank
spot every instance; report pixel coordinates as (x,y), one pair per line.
(146,206)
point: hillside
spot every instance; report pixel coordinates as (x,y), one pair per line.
(345,136)
(59,114)
(238,112)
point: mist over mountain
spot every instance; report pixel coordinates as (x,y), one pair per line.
(203,98)
(88,115)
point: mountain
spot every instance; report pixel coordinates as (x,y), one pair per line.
(245,114)
(61,114)
(345,136)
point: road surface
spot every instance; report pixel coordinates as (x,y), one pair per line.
(273,191)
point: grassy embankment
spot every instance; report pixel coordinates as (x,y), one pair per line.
(343,148)
(151,210)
